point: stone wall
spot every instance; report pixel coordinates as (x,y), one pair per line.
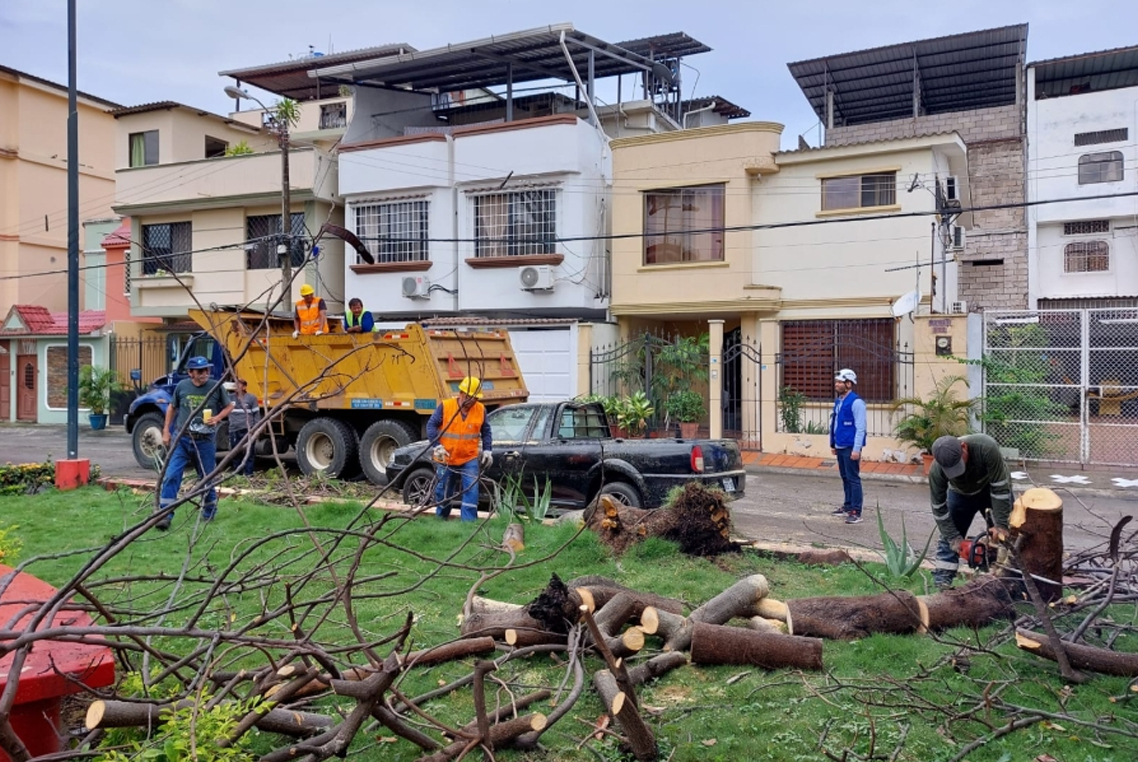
(993,265)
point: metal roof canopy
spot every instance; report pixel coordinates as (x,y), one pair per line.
(526,56)
(959,72)
(290,79)
(1089,72)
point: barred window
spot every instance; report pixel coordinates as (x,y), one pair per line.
(1118,135)
(126,271)
(684,225)
(859,191)
(1104,167)
(813,350)
(167,248)
(333,116)
(1086,257)
(395,231)
(515,223)
(1086,227)
(263,231)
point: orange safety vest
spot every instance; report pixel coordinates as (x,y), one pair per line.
(310,321)
(461,436)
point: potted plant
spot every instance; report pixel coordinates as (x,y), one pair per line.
(686,406)
(927,420)
(634,413)
(95,387)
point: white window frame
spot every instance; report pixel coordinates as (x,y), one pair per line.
(523,224)
(394,230)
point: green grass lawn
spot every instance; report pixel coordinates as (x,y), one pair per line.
(874,692)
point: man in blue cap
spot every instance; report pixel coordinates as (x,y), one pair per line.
(197,406)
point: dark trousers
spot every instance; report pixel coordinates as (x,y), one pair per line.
(245,462)
(189,451)
(851,480)
(962,509)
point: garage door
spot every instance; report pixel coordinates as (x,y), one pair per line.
(548,359)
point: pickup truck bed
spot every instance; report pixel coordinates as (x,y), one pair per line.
(569,444)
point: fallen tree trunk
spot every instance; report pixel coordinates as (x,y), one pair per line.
(851,617)
(722,644)
(1037,518)
(1092,659)
(982,601)
(499,735)
(133,714)
(622,708)
(605,589)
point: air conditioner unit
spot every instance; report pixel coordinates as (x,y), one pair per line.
(417,287)
(957,237)
(951,188)
(958,308)
(536,278)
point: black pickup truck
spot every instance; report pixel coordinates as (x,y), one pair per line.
(569,443)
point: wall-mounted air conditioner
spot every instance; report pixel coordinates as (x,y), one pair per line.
(957,241)
(952,188)
(416,287)
(536,278)
(958,308)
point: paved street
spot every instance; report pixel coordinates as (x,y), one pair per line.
(779,506)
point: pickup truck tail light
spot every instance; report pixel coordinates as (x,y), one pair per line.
(697,459)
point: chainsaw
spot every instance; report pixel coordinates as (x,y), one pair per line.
(978,552)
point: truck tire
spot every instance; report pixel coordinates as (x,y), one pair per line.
(146,440)
(221,436)
(419,487)
(623,493)
(326,446)
(378,444)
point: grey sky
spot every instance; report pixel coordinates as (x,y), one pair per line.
(138,51)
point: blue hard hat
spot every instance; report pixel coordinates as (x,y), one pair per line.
(197,363)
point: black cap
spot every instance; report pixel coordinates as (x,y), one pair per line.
(947,452)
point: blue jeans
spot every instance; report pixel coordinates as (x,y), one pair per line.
(202,455)
(851,480)
(445,482)
(247,461)
(962,509)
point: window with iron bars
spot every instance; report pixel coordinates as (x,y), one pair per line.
(1086,227)
(515,223)
(263,231)
(813,350)
(126,272)
(167,248)
(333,116)
(1086,257)
(395,231)
(1117,135)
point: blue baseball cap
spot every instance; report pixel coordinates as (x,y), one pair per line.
(197,363)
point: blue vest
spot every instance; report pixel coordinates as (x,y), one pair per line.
(842,427)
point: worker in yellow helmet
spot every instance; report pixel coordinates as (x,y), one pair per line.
(462,441)
(311,315)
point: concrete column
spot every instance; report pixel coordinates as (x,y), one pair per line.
(715,376)
(770,336)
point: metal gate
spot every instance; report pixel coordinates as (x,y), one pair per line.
(1062,385)
(742,389)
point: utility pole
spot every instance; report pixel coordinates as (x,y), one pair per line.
(72,240)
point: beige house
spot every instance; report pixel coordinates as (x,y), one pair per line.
(795,263)
(33,184)
(204,218)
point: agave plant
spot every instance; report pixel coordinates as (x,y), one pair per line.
(941,414)
(900,559)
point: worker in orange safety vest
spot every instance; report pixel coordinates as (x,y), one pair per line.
(462,441)
(311,315)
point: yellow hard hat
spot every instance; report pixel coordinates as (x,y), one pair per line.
(306,289)
(471,387)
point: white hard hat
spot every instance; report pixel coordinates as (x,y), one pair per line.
(845,374)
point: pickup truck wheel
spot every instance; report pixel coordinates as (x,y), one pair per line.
(326,445)
(378,446)
(419,488)
(146,440)
(625,494)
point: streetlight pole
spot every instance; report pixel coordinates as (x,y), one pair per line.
(284,248)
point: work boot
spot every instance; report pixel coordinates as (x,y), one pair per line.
(943,582)
(164,522)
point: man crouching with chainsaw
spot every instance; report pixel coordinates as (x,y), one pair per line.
(968,476)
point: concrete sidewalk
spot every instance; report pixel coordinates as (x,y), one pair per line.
(1092,480)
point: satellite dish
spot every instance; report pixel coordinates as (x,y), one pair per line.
(906,303)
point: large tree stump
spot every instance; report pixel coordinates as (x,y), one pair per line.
(847,618)
(722,644)
(1089,658)
(1038,517)
(982,601)
(698,520)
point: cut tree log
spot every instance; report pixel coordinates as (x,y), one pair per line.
(514,538)
(658,665)
(622,708)
(762,624)
(604,589)
(480,605)
(697,519)
(850,617)
(502,734)
(1092,659)
(738,600)
(982,601)
(723,644)
(1037,516)
(132,714)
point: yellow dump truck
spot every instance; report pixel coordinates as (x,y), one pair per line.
(347,401)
